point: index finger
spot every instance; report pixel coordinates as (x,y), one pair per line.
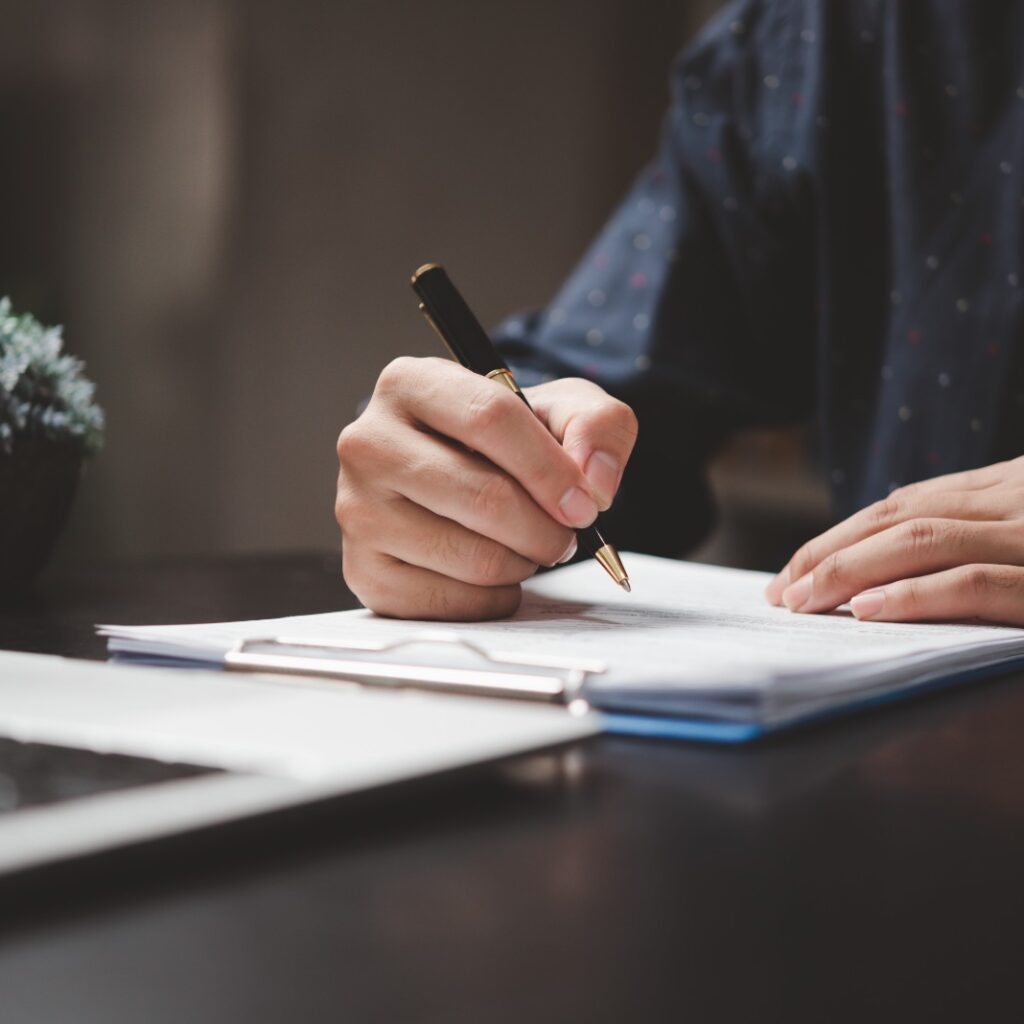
(597,430)
(486,416)
(900,507)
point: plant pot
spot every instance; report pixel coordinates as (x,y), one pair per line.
(38,481)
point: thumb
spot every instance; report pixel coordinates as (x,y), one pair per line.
(597,431)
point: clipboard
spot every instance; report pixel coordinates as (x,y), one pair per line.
(549,680)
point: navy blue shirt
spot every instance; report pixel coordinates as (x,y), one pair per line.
(832,228)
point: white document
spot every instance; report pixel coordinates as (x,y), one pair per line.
(691,640)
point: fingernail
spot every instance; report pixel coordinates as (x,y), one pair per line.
(777,586)
(602,474)
(577,507)
(795,596)
(569,552)
(868,604)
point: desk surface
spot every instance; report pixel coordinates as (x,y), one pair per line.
(867,870)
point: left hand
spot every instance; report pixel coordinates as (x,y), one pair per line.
(947,548)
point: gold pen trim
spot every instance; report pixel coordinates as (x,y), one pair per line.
(423,270)
(612,564)
(505,377)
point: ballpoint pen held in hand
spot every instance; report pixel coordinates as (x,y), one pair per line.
(468,342)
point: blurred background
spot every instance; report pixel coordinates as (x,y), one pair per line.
(223,201)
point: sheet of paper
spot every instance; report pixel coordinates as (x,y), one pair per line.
(687,635)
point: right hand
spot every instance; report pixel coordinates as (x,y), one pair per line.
(451,492)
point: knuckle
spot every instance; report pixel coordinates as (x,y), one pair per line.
(628,422)
(976,582)
(886,511)
(619,420)
(440,603)
(479,561)
(910,593)
(394,374)
(344,505)
(352,443)
(356,514)
(833,570)
(492,497)
(444,550)
(488,410)
(920,536)
(488,563)
(341,507)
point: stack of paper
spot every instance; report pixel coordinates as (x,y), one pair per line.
(695,650)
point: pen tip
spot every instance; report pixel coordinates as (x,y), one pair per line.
(624,583)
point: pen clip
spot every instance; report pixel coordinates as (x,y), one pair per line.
(437,330)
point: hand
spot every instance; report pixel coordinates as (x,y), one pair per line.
(451,492)
(947,548)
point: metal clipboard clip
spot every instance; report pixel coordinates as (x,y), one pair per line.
(551,680)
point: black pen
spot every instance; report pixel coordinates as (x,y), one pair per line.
(469,344)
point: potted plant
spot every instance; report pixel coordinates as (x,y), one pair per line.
(49,426)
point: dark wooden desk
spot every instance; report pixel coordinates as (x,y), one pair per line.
(872,870)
